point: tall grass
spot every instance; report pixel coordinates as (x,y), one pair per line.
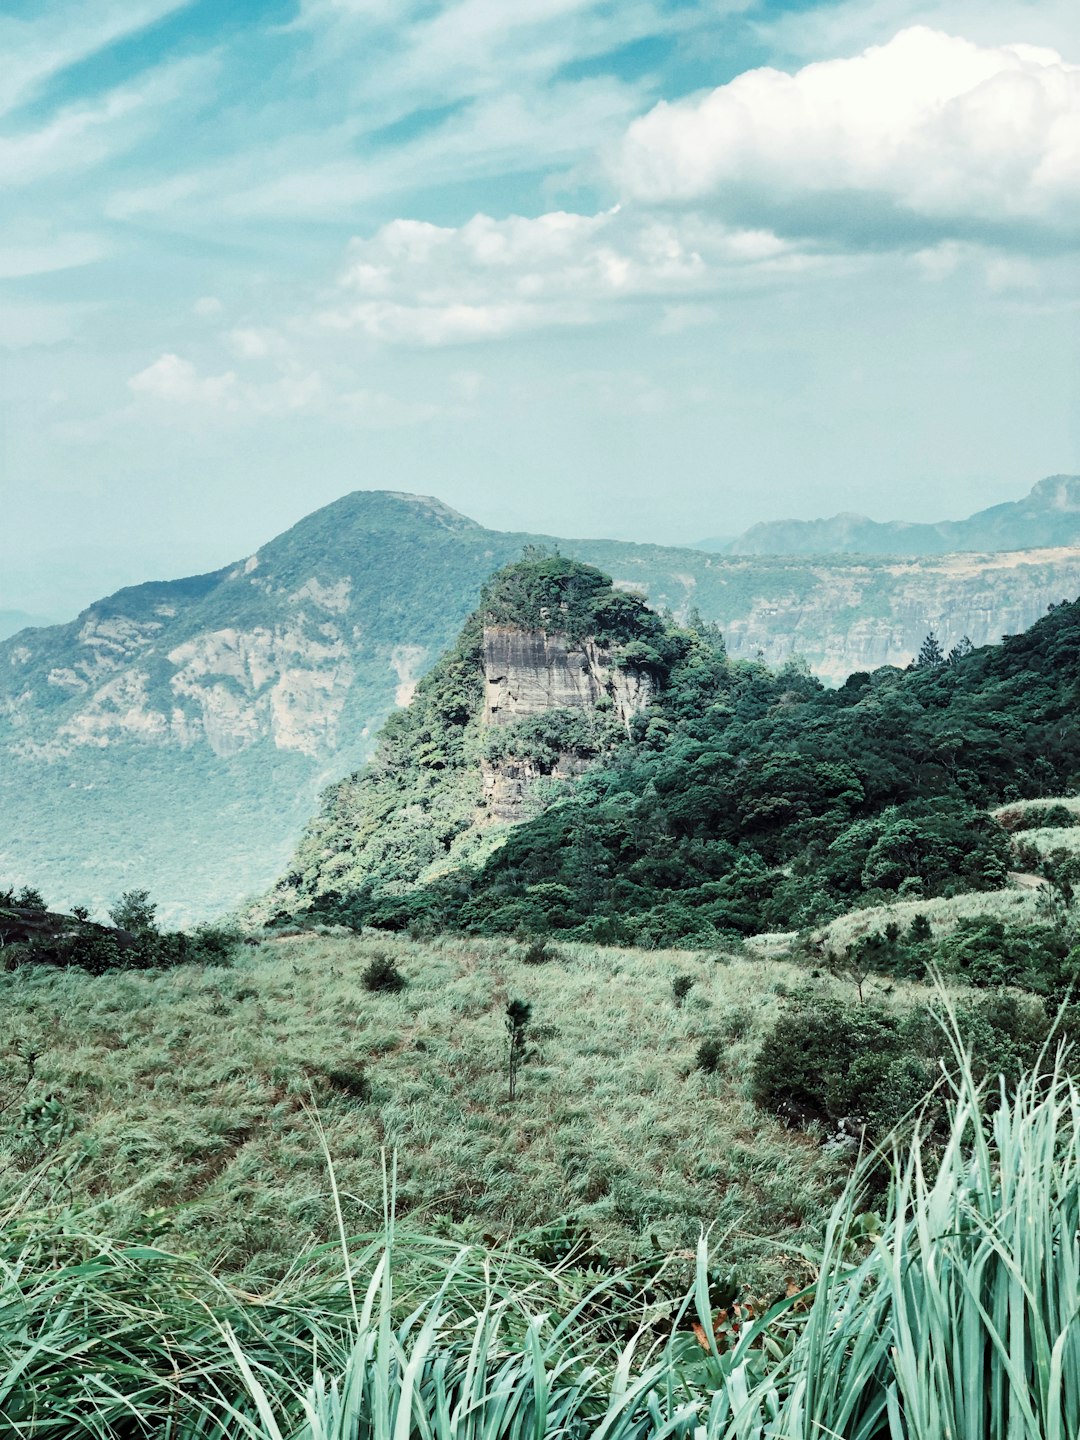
(954,1317)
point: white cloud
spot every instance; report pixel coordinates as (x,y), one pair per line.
(928,132)
(207,306)
(180,392)
(88,132)
(20,256)
(176,381)
(258,343)
(427,284)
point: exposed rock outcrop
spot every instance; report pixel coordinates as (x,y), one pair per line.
(530,672)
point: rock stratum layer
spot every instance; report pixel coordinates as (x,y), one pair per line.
(528,673)
(176,734)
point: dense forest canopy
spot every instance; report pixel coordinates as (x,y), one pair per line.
(744,799)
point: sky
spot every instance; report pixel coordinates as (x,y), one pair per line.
(651,269)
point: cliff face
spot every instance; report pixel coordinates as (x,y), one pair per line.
(530,672)
(846,616)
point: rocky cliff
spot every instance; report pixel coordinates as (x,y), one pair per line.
(529,673)
(177,734)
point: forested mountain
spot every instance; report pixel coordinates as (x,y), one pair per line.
(1048,516)
(177,733)
(726,799)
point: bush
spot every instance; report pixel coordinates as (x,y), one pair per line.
(830,1062)
(710,1054)
(350,1080)
(681,987)
(383,974)
(134,911)
(539,952)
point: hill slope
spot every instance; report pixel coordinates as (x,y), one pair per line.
(737,800)
(1048,516)
(176,734)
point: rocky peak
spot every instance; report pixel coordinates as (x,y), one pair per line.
(529,671)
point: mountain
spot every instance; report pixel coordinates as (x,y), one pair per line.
(1049,516)
(669,795)
(177,733)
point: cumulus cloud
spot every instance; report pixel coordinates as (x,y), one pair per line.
(926,134)
(431,285)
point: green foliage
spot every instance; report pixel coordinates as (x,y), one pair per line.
(864,1068)
(382,974)
(539,951)
(518,1018)
(134,911)
(681,987)
(556,594)
(25,898)
(743,801)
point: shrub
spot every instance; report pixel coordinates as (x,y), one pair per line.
(350,1080)
(710,1054)
(831,1062)
(383,974)
(539,952)
(681,987)
(134,911)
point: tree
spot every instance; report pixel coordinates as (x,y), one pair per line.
(518,1015)
(134,911)
(931,654)
(958,651)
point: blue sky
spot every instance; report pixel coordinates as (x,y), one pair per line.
(647,268)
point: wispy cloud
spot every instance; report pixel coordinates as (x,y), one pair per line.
(59,35)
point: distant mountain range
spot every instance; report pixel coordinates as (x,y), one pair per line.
(12,621)
(1049,516)
(176,734)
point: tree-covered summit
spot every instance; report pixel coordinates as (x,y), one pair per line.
(552,592)
(743,799)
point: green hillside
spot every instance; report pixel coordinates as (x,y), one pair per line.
(742,799)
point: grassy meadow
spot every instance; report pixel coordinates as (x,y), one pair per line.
(206,1091)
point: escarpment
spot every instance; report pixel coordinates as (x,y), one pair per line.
(535,673)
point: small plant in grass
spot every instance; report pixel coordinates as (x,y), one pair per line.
(710,1054)
(383,975)
(920,929)
(539,951)
(681,987)
(518,1015)
(351,1080)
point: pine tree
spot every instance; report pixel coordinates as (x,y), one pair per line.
(931,655)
